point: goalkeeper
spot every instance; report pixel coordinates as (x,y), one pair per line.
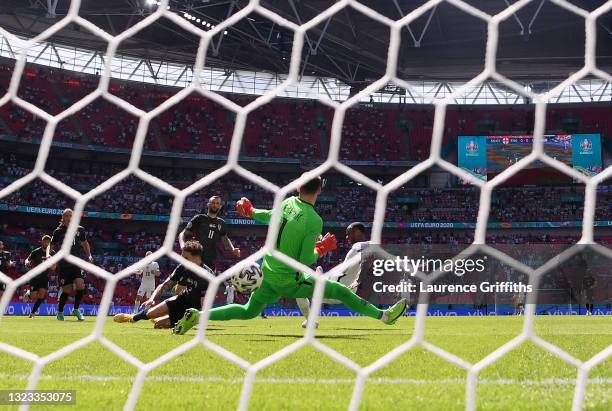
(300,227)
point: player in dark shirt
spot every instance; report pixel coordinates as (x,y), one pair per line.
(576,277)
(586,282)
(168,312)
(208,229)
(5,264)
(40,283)
(70,276)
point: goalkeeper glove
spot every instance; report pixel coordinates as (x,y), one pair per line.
(244,207)
(326,244)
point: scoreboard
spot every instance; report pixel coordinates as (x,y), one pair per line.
(484,156)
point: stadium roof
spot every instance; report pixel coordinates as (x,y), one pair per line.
(540,41)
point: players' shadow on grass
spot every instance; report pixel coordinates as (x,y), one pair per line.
(373,330)
(233,326)
(156,331)
(337,337)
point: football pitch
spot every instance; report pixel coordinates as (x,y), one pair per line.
(527,378)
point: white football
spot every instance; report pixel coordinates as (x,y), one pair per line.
(248,279)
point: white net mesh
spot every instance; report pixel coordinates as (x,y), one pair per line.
(251,369)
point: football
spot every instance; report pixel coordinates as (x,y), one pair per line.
(248,279)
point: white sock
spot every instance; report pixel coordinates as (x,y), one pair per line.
(385,316)
(304,306)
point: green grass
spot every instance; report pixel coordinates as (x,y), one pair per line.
(526,378)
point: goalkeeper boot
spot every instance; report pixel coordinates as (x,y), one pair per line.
(59,316)
(391,314)
(123,318)
(189,320)
(78,314)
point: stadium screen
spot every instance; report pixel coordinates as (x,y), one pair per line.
(486,156)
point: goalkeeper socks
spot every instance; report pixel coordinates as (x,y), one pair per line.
(37,305)
(238,312)
(62,302)
(141,316)
(136,305)
(351,300)
(77,298)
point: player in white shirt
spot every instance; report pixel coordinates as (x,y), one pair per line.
(356,236)
(147,284)
(230,292)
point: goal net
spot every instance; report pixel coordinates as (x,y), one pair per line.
(251,369)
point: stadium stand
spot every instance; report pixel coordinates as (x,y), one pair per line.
(284,128)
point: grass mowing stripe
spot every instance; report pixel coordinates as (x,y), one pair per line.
(161,378)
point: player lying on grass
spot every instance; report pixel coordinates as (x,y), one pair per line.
(169,311)
(300,227)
